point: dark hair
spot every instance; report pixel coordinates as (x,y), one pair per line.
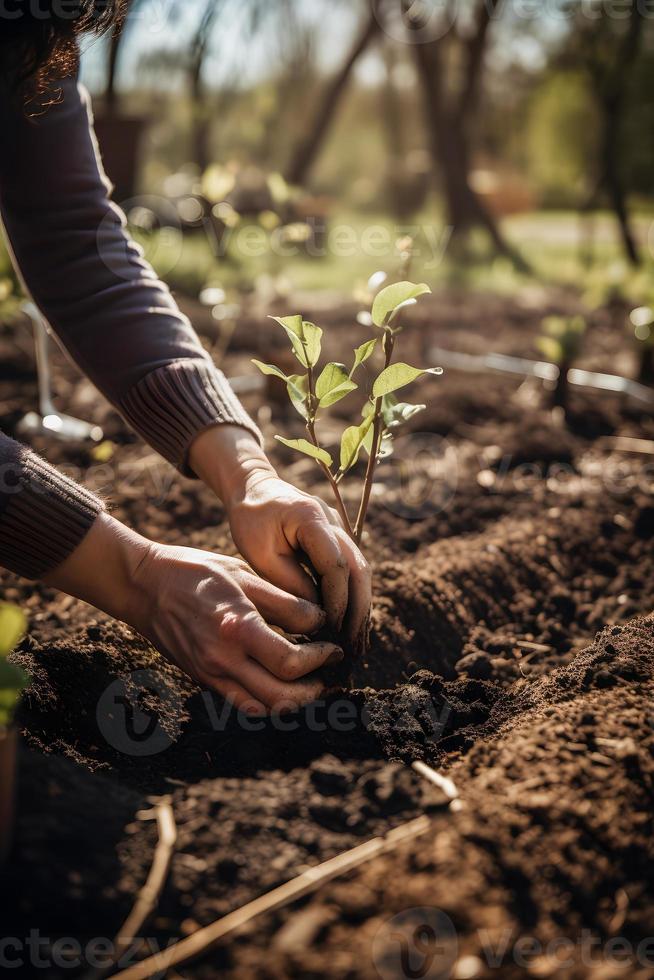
(38,38)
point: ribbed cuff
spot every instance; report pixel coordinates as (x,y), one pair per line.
(44,517)
(171,406)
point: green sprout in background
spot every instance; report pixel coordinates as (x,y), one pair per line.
(561,343)
(314,389)
(13,680)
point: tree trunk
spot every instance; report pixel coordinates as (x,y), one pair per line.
(307,150)
(201,119)
(611,86)
(117,37)
(614,185)
(449,146)
(110,95)
(201,114)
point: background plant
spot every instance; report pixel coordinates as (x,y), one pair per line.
(13,680)
(561,343)
(312,390)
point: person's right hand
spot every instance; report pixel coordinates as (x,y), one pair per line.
(207,613)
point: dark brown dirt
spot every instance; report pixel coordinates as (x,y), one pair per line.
(498,559)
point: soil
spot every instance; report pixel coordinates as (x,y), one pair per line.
(512,649)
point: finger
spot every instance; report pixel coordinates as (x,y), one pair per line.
(291,613)
(241,699)
(277,695)
(318,539)
(360,598)
(285,660)
(286,573)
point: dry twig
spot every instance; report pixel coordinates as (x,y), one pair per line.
(147,900)
(205,939)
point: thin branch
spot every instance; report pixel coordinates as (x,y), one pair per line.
(377,433)
(370,472)
(307,150)
(311,429)
(444,783)
(149,896)
(205,939)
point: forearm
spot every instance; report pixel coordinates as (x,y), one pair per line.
(103,569)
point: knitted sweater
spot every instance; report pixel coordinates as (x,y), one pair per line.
(109,310)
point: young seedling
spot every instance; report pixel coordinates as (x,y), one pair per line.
(642,321)
(312,390)
(561,343)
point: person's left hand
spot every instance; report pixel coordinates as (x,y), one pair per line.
(278,528)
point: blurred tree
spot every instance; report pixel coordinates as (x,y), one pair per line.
(290,87)
(450,112)
(638,123)
(307,149)
(115,46)
(201,106)
(119,136)
(608,47)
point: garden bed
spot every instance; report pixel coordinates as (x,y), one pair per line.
(515,543)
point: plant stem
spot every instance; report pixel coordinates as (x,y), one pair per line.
(374,449)
(311,429)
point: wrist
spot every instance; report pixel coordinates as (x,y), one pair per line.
(230,461)
(103,569)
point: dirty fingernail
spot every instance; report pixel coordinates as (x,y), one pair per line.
(335,657)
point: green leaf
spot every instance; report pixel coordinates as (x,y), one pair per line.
(12,627)
(362,354)
(550,348)
(333,384)
(398,413)
(331,376)
(394,377)
(389,299)
(352,442)
(336,394)
(291,324)
(367,441)
(270,369)
(305,338)
(304,446)
(312,337)
(298,392)
(385,446)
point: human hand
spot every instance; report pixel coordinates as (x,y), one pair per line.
(279,530)
(207,613)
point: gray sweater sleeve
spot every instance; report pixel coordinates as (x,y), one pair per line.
(110,311)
